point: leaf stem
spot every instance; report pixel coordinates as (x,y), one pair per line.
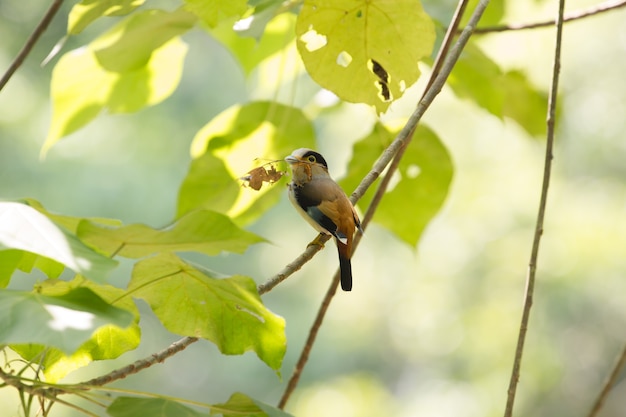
(532,266)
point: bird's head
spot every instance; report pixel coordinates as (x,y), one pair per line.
(306,163)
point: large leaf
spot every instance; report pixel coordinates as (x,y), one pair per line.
(502,93)
(22,227)
(225,149)
(64,321)
(227,311)
(202,231)
(241,405)
(213,11)
(425,174)
(365,51)
(157,407)
(107,342)
(85,12)
(124,70)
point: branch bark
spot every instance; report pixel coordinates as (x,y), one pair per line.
(547,169)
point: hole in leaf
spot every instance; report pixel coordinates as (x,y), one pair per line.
(344,59)
(383,91)
(313,40)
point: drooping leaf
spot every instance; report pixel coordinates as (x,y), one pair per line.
(65,321)
(202,231)
(107,342)
(157,407)
(123,71)
(425,174)
(85,12)
(213,11)
(502,93)
(364,51)
(234,139)
(241,405)
(22,227)
(278,33)
(228,312)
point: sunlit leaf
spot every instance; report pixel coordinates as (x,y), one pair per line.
(502,93)
(123,71)
(425,174)
(157,407)
(226,311)
(22,227)
(268,131)
(364,51)
(107,342)
(202,231)
(278,33)
(213,11)
(241,405)
(85,12)
(65,321)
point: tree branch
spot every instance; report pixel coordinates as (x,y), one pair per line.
(570,17)
(608,384)
(532,267)
(30,42)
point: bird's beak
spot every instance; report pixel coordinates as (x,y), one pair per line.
(292,159)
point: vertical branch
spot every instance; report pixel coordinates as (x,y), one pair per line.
(32,40)
(547,169)
(608,384)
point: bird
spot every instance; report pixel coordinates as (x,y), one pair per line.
(324,205)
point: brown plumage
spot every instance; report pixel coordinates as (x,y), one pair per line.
(324,205)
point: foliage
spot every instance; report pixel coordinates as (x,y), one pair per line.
(366,52)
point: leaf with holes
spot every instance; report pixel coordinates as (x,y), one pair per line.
(424,177)
(365,51)
(228,311)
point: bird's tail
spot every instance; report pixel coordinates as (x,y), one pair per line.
(346,272)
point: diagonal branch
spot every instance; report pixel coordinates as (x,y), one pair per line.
(30,42)
(547,169)
(570,17)
(434,86)
(608,384)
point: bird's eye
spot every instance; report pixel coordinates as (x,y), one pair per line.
(311,159)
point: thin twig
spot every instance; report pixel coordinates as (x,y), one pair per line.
(32,40)
(608,384)
(547,169)
(140,364)
(575,15)
(399,144)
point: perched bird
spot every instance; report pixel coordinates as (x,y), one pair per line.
(324,205)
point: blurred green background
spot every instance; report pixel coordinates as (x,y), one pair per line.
(427,331)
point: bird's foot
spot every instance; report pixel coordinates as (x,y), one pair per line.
(317,241)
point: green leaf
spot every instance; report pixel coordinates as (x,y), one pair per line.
(202,231)
(502,93)
(22,227)
(107,342)
(228,312)
(234,139)
(278,33)
(364,51)
(129,45)
(425,174)
(124,70)
(213,11)
(153,407)
(241,405)
(85,12)
(65,321)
